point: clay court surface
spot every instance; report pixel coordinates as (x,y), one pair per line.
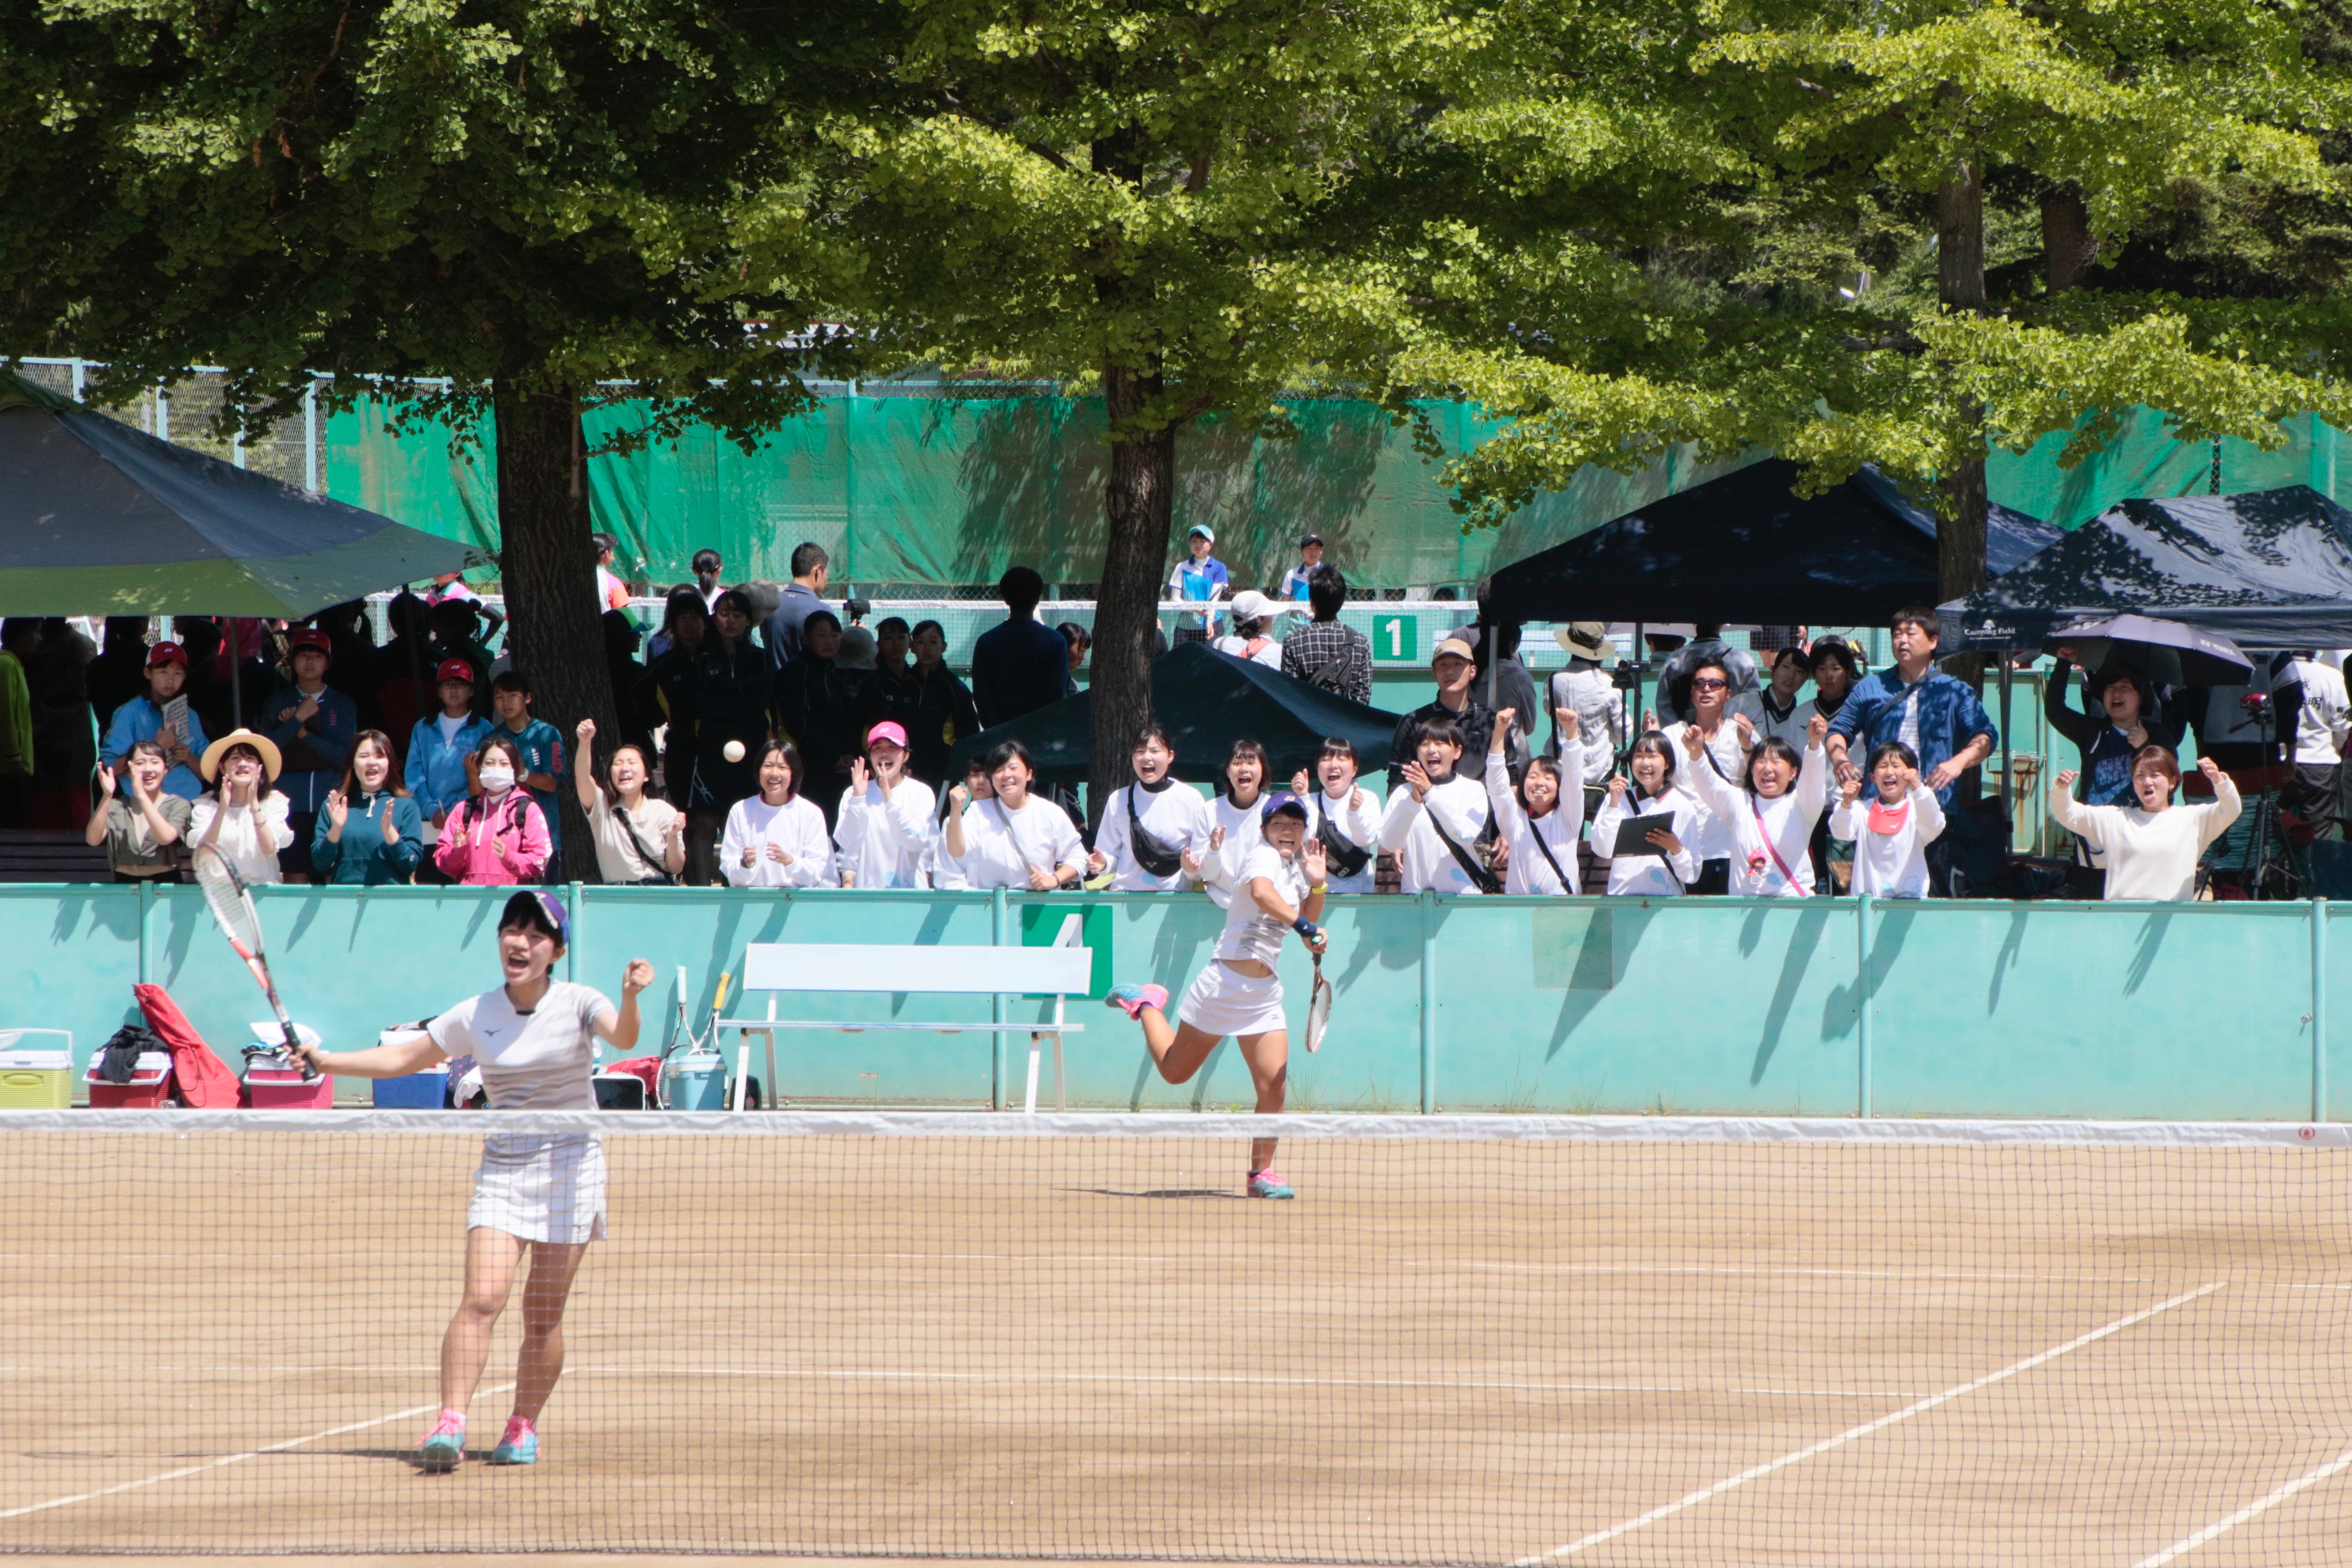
(1094,1348)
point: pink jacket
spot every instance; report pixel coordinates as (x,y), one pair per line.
(468,849)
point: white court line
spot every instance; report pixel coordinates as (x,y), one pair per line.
(2259,1505)
(1757,1472)
(234,1458)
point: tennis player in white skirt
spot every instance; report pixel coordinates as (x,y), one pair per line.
(534,1038)
(1281,884)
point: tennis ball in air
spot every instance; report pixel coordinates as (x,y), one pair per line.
(732,751)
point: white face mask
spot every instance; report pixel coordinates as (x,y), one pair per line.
(498,777)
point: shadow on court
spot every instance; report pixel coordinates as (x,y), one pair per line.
(1158,1192)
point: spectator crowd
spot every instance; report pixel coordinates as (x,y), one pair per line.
(768,739)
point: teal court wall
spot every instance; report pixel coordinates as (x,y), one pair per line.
(1800,1008)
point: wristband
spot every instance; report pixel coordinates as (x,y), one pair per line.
(1306,928)
(1319,887)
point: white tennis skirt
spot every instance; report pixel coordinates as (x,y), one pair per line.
(541,1188)
(1224,1000)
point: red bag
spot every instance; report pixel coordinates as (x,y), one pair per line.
(646,1067)
(205,1080)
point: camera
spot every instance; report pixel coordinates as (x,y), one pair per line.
(1626,676)
(856,609)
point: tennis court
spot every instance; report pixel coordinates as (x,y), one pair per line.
(1494,1340)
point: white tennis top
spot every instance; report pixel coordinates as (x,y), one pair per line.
(538,1061)
(1250,932)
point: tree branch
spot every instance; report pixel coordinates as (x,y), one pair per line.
(965,110)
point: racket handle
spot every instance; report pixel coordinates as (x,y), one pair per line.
(720,1004)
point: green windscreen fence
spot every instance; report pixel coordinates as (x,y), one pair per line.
(905,486)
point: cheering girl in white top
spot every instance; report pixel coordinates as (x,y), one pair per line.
(1170,814)
(1344,812)
(1233,826)
(1890,833)
(2151,847)
(1236,994)
(1433,822)
(639,838)
(1652,793)
(776,839)
(1540,822)
(535,1039)
(1013,839)
(886,815)
(1770,820)
(241,815)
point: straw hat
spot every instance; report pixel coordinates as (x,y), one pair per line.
(1585,639)
(271,760)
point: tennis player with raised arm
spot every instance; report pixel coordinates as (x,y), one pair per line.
(1281,884)
(535,1039)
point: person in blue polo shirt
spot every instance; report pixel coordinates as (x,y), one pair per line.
(1295,581)
(313,725)
(542,745)
(142,718)
(1199,579)
(1939,717)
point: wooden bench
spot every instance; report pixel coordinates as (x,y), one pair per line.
(51,855)
(1059,972)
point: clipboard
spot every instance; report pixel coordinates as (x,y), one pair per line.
(1634,834)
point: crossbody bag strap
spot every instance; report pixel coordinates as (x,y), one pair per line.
(1773,850)
(1535,832)
(651,859)
(1486,880)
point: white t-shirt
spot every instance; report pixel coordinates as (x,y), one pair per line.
(241,834)
(1909,733)
(450,726)
(1250,932)
(1649,877)
(886,842)
(1585,689)
(1175,814)
(796,827)
(1001,845)
(538,1060)
(1424,864)
(1768,835)
(2321,724)
(619,858)
(1359,825)
(1890,864)
(1715,841)
(1245,830)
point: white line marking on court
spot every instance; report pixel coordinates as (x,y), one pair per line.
(2259,1505)
(234,1458)
(1757,1472)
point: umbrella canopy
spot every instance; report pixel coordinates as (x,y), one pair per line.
(1207,700)
(2166,651)
(1744,548)
(2272,569)
(98,519)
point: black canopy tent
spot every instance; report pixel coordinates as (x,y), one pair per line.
(1207,700)
(1743,547)
(2271,568)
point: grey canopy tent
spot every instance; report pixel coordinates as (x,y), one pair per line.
(99,518)
(2271,568)
(1207,700)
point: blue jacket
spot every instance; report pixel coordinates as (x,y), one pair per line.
(1950,716)
(140,719)
(436,770)
(363,858)
(314,749)
(542,745)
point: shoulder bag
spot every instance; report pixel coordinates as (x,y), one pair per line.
(1484,880)
(1151,852)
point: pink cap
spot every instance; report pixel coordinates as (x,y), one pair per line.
(890,730)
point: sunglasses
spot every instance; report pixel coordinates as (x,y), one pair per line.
(1708,683)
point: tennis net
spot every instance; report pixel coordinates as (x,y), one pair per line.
(1490,1340)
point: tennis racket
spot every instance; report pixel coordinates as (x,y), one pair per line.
(231,903)
(1318,1008)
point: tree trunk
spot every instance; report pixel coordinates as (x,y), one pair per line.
(2068,246)
(1961,283)
(1139,505)
(553,626)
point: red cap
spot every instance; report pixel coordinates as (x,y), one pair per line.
(167,653)
(454,670)
(310,637)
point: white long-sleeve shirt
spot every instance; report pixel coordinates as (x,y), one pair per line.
(1585,689)
(1174,813)
(1649,877)
(1891,864)
(1528,871)
(1360,824)
(250,836)
(1001,845)
(1245,830)
(1715,840)
(2324,723)
(2151,855)
(796,827)
(886,842)
(1426,865)
(1767,835)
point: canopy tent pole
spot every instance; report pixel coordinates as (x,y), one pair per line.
(2008,778)
(1641,666)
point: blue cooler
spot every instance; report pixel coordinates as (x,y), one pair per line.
(694,1081)
(425,1091)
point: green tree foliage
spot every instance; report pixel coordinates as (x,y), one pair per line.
(1843,174)
(1152,199)
(526,199)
